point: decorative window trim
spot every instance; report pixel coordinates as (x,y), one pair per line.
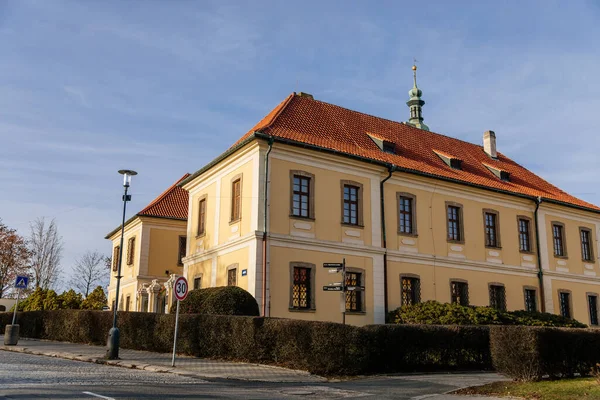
(559,291)
(587,303)
(413,221)
(461,222)
(591,244)
(564,239)
(360,195)
(230,267)
(313,273)
(410,276)
(498,239)
(311,195)
(458,280)
(535,289)
(202,198)
(497,284)
(363,299)
(531,235)
(235,178)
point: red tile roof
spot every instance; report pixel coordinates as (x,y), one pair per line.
(306,121)
(172,203)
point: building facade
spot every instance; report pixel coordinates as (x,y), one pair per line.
(416,216)
(154,245)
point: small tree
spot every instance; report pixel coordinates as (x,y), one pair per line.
(14,257)
(46,249)
(70,300)
(90,270)
(95,301)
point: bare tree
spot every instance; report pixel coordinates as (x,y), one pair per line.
(14,257)
(46,248)
(90,271)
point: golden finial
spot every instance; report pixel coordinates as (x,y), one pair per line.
(414,67)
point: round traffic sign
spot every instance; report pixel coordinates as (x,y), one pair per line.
(181,288)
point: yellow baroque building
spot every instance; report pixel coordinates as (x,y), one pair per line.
(154,246)
(416,215)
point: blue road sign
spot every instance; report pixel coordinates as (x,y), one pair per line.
(22,282)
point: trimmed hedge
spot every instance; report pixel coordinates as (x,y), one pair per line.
(435,313)
(531,353)
(319,347)
(223,300)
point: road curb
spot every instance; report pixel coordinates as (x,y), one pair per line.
(149,367)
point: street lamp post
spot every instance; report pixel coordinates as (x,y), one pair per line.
(112,353)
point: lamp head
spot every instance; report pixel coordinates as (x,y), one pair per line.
(127,174)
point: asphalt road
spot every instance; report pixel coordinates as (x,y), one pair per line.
(25,376)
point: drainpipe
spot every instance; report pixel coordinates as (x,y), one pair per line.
(391,169)
(265,227)
(538,201)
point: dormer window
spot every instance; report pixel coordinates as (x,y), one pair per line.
(501,174)
(383,144)
(450,160)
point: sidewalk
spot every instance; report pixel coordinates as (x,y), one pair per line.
(161,362)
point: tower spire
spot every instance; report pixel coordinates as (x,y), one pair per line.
(415,104)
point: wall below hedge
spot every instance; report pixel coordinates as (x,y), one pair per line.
(319,347)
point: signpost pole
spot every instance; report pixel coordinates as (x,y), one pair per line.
(344,291)
(16,307)
(175,339)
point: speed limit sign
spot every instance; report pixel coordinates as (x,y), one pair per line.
(181,288)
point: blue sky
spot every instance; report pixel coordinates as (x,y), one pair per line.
(162,87)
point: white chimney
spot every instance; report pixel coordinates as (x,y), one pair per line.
(489,143)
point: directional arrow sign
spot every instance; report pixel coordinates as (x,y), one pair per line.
(332,288)
(333,265)
(355,288)
(334,271)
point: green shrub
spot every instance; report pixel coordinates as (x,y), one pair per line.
(435,313)
(95,300)
(530,353)
(224,300)
(319,347)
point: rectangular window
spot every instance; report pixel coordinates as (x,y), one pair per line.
(130,250)
(202,217)
(586,245)
(198,283)
(491,231)
(351,204)
(232,277)
(406,215)
(558,236)
(565,304)
(497,297)
(411,291)
(236,200)
(127,303)
(301,196)
(593,307)
(182,249)
(115,259)
(530,300)
(454,232)
(524,238)
(301,289)
(459,292)
(354,298)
